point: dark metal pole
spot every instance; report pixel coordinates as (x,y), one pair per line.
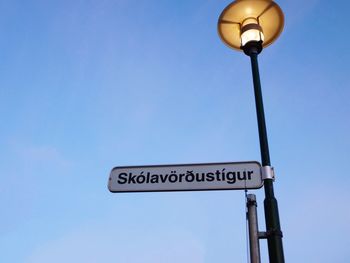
(273,228)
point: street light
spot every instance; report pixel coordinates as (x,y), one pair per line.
(250,26)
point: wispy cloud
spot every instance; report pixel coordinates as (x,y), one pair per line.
(31,153)
(113,243)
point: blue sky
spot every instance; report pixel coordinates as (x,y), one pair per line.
(89,85)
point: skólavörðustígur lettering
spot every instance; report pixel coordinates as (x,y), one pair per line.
(229,177)
(186,177)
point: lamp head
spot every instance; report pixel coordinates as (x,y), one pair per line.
(250,25)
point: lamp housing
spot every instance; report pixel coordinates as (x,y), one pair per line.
(245,22)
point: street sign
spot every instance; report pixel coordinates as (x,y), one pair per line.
(186,177)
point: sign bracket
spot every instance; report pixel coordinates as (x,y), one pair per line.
(268,172)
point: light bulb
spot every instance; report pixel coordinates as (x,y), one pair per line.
(251,31)
(251,35)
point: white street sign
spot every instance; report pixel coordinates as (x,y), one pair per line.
(186,177)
